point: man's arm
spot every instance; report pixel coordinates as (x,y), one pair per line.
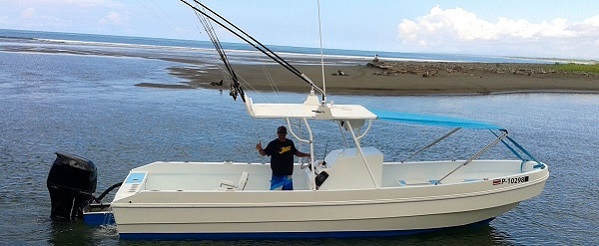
(301,154)
(260,149)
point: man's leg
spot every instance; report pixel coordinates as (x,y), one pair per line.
(288,185)
(281,183)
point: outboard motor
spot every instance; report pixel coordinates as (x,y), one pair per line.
(71,182)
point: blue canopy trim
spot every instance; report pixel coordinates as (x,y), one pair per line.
(433,120)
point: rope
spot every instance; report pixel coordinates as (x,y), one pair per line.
(273,85)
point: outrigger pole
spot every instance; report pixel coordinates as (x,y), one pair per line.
(235,87)
(254,43)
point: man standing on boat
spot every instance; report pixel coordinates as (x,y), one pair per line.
(281,151)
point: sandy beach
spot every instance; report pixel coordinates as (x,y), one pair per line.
(403,78)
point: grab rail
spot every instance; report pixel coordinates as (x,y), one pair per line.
(309,141)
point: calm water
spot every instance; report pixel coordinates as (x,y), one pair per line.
(88,105)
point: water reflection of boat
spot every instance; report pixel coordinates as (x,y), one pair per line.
(352,192)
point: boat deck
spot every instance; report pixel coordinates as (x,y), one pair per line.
(189,176)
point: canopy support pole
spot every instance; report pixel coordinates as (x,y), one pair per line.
(432,144)
(309,141)
(475,156)
(351,130)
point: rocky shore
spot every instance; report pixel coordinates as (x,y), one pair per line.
(429,69)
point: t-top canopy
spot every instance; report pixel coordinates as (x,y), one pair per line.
(433,120)
(310,109)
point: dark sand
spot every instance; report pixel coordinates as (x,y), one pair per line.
(402,78)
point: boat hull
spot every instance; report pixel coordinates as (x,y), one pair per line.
(311,229)
(98,214)
(386,211)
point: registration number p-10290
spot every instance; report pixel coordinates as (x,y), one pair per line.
(515,180)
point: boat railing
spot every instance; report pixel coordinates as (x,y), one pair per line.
(523,150)
(502,137)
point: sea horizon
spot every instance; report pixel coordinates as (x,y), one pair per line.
(14,35)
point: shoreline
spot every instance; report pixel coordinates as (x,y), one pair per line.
(399,78)
(365,76)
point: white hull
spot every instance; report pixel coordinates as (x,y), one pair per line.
(154,208)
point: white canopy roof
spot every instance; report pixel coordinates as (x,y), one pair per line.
(310,109)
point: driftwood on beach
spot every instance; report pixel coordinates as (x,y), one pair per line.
(429,69)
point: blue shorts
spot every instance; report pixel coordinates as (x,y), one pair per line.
(281,182)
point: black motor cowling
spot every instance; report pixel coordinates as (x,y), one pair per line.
(71,183)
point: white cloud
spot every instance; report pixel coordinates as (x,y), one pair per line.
(457,30)
(28,13)
(83,16)
(114,18)
(4,20)
(32,18)
(588,27)
(75,3)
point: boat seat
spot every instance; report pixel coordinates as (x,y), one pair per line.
(229,185)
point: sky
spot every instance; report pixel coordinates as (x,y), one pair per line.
(545,29)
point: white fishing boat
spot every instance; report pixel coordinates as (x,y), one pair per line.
(352,192)
(361,196)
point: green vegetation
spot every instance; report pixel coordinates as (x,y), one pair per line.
(580,68)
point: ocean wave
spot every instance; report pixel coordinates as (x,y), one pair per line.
(120,45)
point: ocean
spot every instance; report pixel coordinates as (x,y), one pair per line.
(76,93)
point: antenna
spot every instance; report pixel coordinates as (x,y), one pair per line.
(324,85)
